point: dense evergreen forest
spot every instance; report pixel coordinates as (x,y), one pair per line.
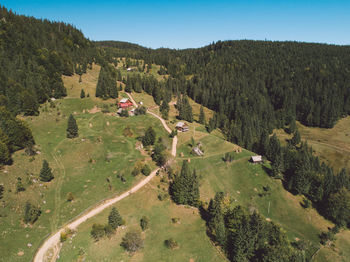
(34,54)
(258,85)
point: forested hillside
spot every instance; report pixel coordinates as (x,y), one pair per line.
(256,86)
(33,56)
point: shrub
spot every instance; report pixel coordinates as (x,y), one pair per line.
(31,213)
(132,241)
(70,197)
(146,170)
(144,223)
(97,231)
(67,232)
(171,243)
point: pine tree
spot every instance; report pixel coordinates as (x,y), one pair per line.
(164,109)
(202,116)
(296,138)
(4,154)
(150,137)
(185,187)
(114,218)
(1,191)
(72,129)
(45,172)
(82,93)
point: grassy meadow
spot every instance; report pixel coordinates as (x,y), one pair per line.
(331,145)
(89,167)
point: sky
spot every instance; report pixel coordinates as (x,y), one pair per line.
(189,24)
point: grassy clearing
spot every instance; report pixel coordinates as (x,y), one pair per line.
(87,166)
(189,232)
(339,253)
(89,82)
(245,181)
(331,145)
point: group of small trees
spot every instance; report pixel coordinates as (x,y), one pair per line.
(98,231)
(247,237)
(185,109)
(184,188)
(150,137)
(106,85)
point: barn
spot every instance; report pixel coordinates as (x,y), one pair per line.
(124,103)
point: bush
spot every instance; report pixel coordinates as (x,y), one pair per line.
(124,113)
(132,241)
(146,170)
(67,232)
(175,220)
(173,133)
(31,213)
(70,197)
(144,223)
(127,132)
(140,110)
(171,243)
(97,231)
(19,185)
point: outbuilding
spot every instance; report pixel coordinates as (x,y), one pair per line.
(256,159)
(182,127)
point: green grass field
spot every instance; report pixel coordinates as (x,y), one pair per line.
(331,145)
(189,232)
(82,166)
(241,179)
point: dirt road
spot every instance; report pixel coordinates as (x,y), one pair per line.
(53,242)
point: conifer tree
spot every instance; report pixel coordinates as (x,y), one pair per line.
(150,137)
(164,109)
(45,172)
(4,154)
(72,129)
(202,116)
(82,93)
(114,218)
(296,138)
(1,191)
(185,187)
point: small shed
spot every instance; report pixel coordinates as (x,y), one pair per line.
(124,103)
(182,127)
(256,159)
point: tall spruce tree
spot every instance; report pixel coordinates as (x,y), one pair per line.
(201,116)
(185,187)
(1,191)
(45,172)
(114,218)
(82,93)
(72,129)
(4,154)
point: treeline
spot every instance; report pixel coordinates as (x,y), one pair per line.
(14,135)
(248,237)
(33,56)
(107,82)
(302,173)
(256,86)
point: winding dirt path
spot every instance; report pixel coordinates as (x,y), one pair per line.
(53,241)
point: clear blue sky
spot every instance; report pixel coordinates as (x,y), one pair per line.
(185,24)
